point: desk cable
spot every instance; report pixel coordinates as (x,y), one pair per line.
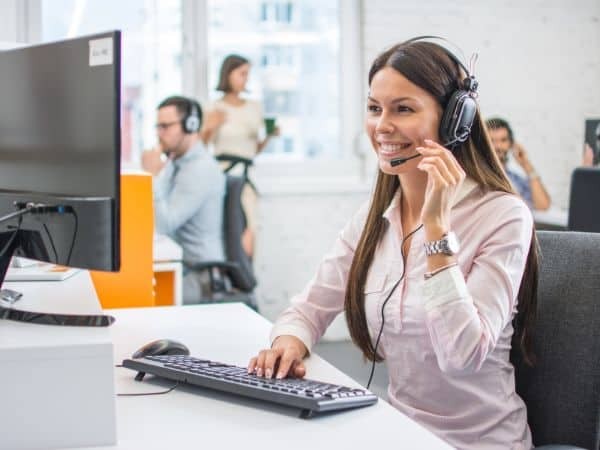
(386,300)
(141,394)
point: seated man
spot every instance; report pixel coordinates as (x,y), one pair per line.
(189,189)
(530,186)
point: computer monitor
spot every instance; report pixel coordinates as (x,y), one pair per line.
(60,153)
(584,215)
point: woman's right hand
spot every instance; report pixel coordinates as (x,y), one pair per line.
(285,356)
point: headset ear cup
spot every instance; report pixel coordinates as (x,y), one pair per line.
(457,120)
(192,124)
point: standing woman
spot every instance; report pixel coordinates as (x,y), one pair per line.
(232,125)
(435,269)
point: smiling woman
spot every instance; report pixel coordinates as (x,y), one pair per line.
(397,126)
(428,277)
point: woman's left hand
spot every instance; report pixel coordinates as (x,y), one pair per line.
(444,178)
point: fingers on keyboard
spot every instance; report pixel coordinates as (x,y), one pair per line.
(286,365)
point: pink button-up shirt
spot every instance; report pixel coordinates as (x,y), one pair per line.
(446,340)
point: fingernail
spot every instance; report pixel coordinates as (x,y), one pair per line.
(279,375)
(419,149)
(259,372)
(268,373)
(428,141)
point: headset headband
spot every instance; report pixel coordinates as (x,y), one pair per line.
(452,55)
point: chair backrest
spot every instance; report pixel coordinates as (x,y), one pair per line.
(584,204)
(562,391)
(234,223)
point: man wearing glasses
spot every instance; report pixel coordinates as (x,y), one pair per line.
(189,189)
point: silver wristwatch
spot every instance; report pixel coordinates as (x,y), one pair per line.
(447,245)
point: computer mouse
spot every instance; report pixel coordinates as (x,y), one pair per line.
(161,347)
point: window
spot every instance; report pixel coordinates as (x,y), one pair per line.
(294,48)
(298,49)
(151,55)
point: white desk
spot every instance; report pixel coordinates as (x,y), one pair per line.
(167,256)
(191,417)
(57,384)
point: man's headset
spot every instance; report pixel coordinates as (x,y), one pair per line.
(459,114)
(191,121)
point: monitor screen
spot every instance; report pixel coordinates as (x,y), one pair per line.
(59,117)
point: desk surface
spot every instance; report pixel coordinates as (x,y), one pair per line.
(189,415)
(63,297)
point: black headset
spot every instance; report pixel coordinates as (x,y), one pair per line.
(191,121)
(459,114)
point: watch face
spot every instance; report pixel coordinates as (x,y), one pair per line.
(453,244)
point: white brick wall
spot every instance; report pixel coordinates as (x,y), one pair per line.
(295,231)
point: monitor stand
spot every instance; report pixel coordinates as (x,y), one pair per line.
(9,242)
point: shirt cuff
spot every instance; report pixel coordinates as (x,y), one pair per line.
(293,330)
(445,287)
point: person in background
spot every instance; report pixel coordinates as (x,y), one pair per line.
(530,186)
(591,155)
(189,190)
(433,270)
(233,125)
(588,156)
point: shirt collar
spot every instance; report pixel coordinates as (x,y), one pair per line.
(195,151)
(467,186)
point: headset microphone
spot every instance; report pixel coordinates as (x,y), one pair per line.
(397,161)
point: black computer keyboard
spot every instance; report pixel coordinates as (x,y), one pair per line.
(309,395)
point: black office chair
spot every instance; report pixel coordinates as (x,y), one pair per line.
(562,391)
(234,161)
(231,280)
(584,214)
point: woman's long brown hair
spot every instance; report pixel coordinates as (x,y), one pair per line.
(430,67)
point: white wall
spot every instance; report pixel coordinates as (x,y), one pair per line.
(295,230)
